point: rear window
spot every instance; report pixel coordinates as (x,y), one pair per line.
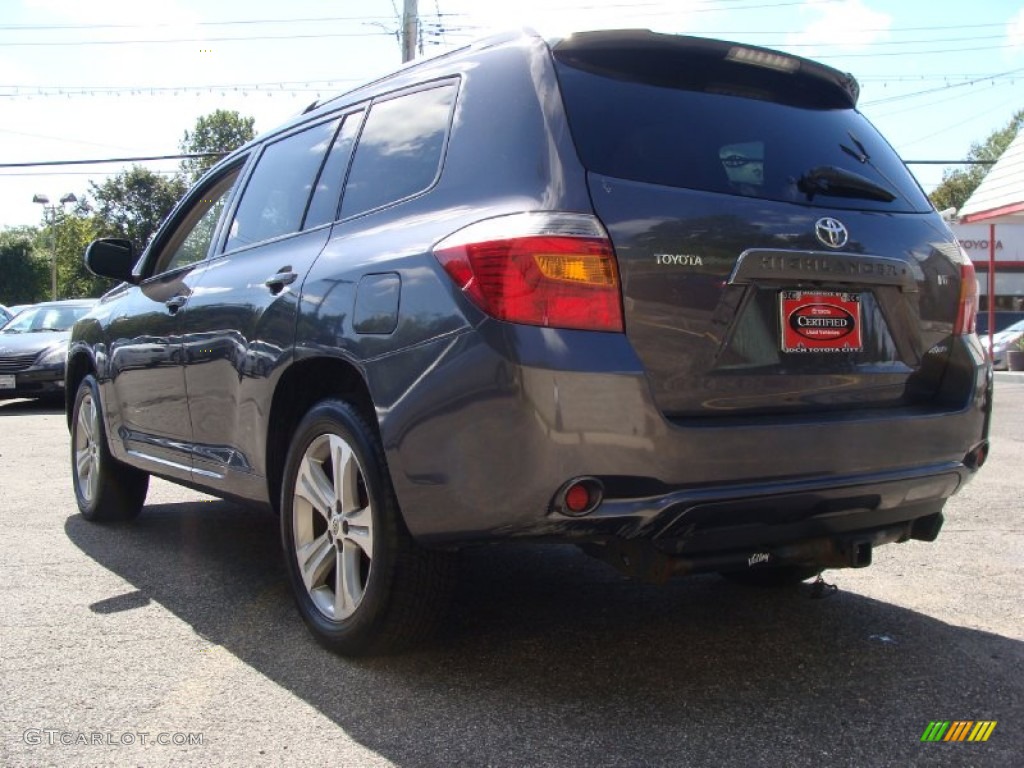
(720,141)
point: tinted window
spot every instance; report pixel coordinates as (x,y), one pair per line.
(275,197)
(324,205)
(399,152)
(190,241)
(727,143)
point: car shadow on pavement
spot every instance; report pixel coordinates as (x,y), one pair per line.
(24,407)
(550,658)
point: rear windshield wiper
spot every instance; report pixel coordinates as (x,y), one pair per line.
(830,181)
(860,154)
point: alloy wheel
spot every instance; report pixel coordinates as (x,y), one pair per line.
(87,449)
(332,526)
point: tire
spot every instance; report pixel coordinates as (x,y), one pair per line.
(773,577)
(106,489)
(361,584)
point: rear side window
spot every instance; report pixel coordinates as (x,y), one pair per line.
(400,150)
(323,208)
(275,197)
(721,140)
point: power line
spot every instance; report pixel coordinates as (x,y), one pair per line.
(396,15)
(148,158)
(901,42)
(332,35)
(161,41)
(949,162)
(943,88)
(65,139)
(924,77)
(291,87)
(315,20)
(300,86)
(867,29)
(970,119)
(951,97)
(825,57)
(5,174)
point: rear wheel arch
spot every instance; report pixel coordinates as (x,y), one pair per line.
(301,386)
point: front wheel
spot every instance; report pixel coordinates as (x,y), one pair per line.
(106,490)
(362,585)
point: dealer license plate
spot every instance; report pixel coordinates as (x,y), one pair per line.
(820,321)
(7,382)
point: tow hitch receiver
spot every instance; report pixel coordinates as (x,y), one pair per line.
(639,559)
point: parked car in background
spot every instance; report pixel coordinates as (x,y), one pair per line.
(1003,319)
(1004,340)
(33,348)
(670,298)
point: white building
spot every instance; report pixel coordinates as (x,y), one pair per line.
(991,229)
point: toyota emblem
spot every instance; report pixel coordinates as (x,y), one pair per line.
(831,232)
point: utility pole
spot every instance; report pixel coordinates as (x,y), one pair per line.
(410,30)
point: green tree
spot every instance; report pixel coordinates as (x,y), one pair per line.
(220,131)
(26,275)
(133,203)
(70,235)
(959,184)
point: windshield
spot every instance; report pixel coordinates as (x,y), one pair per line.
(38,319)
(720,140)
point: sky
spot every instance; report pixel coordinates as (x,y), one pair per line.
(124,78)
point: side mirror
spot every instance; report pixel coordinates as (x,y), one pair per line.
(111,257)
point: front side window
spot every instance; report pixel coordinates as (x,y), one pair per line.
(400,150)
(275,197)
(191,241)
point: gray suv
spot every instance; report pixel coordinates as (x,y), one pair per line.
(669,298)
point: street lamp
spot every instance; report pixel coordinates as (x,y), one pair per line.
(50,218)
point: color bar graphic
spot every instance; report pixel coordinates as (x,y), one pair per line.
(958,730)
(935,731)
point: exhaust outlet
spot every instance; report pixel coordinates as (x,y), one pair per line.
(977,456)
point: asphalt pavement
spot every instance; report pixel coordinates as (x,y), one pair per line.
(173,640)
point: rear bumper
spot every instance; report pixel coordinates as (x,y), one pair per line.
(512,413)
(769,514)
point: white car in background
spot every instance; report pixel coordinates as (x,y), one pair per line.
(1004,340)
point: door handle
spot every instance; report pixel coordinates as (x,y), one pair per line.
(175,303)
(276,283)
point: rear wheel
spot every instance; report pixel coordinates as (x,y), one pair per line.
(775,577)
(105,488)
(361,583)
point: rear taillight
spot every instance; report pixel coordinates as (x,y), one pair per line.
(967,308)
(552,269)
